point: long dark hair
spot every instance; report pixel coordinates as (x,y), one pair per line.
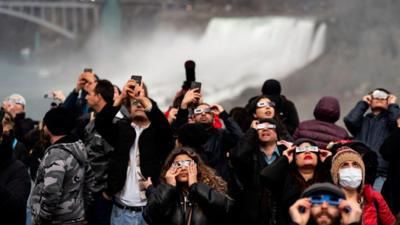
(281,128)
(321,174)
(205,174)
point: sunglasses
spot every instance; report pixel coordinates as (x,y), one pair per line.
(307,149)
(200,111)
(181,163)
(331,200)
(265,126)
(377,94)
(265,104)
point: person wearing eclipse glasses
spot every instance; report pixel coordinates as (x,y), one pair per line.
(189,193)
(263,107)
(301,165)
(258,148)
(219,140)
(374,127)
(324,204)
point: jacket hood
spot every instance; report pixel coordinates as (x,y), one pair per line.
(76,148)
(327,109)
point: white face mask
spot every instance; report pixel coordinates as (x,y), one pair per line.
(350,177)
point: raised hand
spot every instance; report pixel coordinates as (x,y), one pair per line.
(288,153)
(170,176)
(254,124)
(191,96)
(192,171)
(323,154)
(351,212)
(217,109)
(392,99)
(300,211)
(367,99)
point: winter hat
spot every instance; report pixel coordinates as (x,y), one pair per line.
(59,121)
(327,109)
(345,154)
(192,135)
(323,188)
(271,87)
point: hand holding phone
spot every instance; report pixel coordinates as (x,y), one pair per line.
(195,85)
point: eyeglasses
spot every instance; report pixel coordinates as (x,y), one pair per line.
(181,163)
(265,126)
(265,104)
(331,200)
(307,149)
(200,111)
(378,94)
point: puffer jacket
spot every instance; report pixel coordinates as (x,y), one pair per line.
(322,129)
(371,129)
(57,197)
(375,210)
(167,205)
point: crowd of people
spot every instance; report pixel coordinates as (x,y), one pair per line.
(106,155)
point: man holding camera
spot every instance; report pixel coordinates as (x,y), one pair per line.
(376,126)
(324,204)
(257,149)
(140,148)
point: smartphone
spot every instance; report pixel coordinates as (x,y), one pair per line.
(88,70)
(195,84)
(137,78)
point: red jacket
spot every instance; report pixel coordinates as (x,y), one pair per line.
(374,201)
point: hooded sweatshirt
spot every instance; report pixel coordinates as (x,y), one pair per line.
(322,129)
(57,197)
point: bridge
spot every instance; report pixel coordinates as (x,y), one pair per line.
(65,17)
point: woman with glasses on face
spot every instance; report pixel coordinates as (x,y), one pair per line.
(300,166)
(189,193)
(348,172)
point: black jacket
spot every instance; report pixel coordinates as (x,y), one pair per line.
(253,202)
(14,188)
(391,188)
(285,183)
(167,205)
(155,143)
(219,142)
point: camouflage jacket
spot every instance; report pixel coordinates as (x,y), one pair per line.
(58,194)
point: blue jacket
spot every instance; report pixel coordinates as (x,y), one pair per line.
(371,129)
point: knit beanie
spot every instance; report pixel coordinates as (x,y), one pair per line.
(271,87)
(59,121)
(346,154)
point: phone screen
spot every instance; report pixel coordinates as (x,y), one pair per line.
(137,78)
(195,84)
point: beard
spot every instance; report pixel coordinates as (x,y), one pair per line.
(333,220)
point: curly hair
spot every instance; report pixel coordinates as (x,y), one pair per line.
(205,173)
